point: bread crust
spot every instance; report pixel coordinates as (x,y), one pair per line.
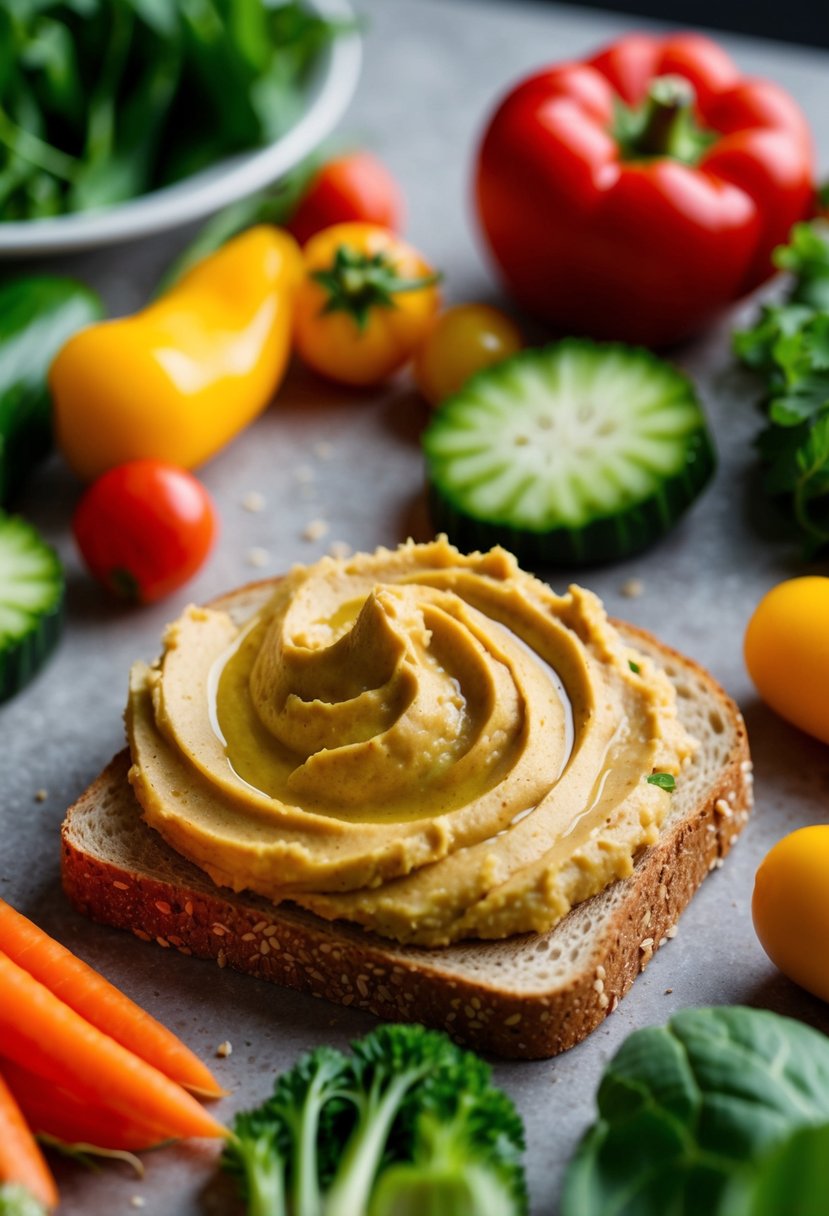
(352,967)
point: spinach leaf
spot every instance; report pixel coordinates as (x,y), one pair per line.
(689,1111)
(792,1179)
(160,15)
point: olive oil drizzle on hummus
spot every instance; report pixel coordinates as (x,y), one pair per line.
(263,764)
(431,744)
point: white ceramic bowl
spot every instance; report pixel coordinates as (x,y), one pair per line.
(329,92)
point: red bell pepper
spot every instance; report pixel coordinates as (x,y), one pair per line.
(634,195)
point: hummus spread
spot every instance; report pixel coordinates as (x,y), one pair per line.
(433,745)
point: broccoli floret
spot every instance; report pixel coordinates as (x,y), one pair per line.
(464,1148)
(257,1155)
(274,1151)
(409,1124)
(388,1064)
(15,1200)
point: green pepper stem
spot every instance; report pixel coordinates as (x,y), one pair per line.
(668,107)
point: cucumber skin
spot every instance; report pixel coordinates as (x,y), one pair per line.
(20,661)
(606,539)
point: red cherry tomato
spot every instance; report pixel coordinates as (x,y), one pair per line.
(145,528)
(352,188)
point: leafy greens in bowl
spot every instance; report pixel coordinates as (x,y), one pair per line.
(122,117)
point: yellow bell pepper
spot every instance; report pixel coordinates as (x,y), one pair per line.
(180,379)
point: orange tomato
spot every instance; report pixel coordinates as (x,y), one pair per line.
(366,303)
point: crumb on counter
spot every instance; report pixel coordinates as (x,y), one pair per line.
(315,529)
(323,450)
(340,549)
(224,1049)
(41,795)
(138,1201)
(254,501)
(258,557)
(668,991)
(632,588)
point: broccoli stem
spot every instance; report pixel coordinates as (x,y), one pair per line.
(351,1189)
(409,1126)
(433,1189)
(305,1191)
(264,1170)
(306,1199)
(16,1200)
(441,1176)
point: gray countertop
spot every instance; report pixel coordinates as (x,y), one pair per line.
(432,71)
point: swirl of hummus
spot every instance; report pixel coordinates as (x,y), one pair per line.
(431,744)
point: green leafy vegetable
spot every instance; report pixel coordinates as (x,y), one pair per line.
(634,667)
(409,1125)
(665,781)
(793,1179)
(37,316)
(789,347)
(102,100)
(703,1113)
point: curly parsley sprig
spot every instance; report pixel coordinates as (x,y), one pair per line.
(789,348)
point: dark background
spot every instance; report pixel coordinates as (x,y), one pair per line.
(804,21)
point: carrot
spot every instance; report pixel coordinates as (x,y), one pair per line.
(57,1112)
(41,1033)
(21,1160)
(94,998)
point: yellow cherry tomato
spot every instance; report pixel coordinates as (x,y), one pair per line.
(365,304)
(791,908)
(787,652)
(464,340)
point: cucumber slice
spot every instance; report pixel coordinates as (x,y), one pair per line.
(31,603)
(575,453)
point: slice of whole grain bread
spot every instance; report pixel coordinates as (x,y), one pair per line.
(527,997)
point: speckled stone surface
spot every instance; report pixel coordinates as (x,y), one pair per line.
(433,69)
